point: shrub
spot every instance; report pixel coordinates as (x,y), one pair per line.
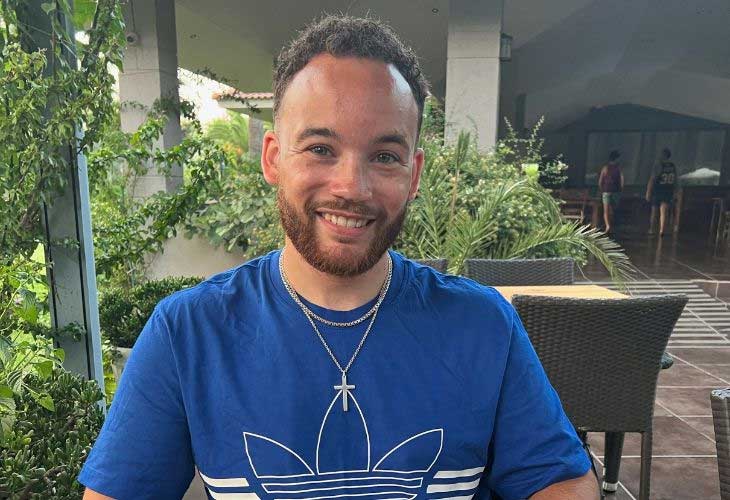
(46,448)
(124,312)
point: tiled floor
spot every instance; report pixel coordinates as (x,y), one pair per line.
(684,463)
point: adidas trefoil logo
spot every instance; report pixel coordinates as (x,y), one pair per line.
(397,475)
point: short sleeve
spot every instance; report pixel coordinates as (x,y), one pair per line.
(143,450)
(533,443)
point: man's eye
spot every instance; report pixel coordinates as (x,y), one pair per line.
(320,150)
(386,158)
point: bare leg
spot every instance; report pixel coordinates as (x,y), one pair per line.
(652,219)
(607,216)
(663,212)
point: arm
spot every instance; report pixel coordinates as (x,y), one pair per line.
(582,488)
(92,495)
(600,177)
(622,181)
(534,448)
(144,448)
(649,188)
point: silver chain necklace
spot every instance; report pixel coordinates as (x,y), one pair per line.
(343,388)
(312,314)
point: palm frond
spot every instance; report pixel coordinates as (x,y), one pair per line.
(608,252)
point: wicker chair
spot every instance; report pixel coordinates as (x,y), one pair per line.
(721,418)
(441,265)
(516,272)
(603,358)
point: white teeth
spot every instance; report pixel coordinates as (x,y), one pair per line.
(345,222)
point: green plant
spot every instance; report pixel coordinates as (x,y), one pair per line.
(45,98)
(45,448)
(230,133)
(477,205)
(48,418)
(124,312)
(242,213)
(127,229)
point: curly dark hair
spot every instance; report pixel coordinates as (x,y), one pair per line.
(346,36)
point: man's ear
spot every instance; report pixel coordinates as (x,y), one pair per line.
(270,153)
(418,160)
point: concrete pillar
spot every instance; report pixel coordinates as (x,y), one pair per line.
(472,70)
(150,73)
(255,137)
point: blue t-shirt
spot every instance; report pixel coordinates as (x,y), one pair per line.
(450,400)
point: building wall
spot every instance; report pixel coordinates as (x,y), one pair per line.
(191,257)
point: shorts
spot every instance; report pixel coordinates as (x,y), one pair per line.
(659,198)
(611,199)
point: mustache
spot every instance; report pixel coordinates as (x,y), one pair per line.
(311,207)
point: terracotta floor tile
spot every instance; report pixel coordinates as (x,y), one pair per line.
(672,436)
(722,371)
(685,401)
(675,478)
(702,356)
(703,425)
(687,375)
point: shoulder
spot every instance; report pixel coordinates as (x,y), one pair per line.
(454,298)
(218,293)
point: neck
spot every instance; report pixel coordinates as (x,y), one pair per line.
(339,293)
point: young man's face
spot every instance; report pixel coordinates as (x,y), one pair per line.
(344,157)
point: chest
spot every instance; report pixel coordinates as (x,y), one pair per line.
(275,412)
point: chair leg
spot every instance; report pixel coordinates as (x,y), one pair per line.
(614,444)
(645,474)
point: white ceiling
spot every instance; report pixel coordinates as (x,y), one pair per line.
(569,55)
(238,39)
(669,54)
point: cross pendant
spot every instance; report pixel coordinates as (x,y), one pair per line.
(345,390)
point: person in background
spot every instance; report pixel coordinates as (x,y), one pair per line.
(611,183)
(660,191)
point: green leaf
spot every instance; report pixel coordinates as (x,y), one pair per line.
(46,401)
(44,369)
(60,354)
(5,391)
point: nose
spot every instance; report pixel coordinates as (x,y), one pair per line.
(351,180)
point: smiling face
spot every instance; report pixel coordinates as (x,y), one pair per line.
(344,158)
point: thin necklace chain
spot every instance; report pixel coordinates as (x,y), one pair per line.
(329,351)
(311,314)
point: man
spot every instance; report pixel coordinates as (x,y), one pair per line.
(660,191)
(611,184)
(336,368)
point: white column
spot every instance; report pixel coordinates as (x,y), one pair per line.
(472,70)
(255,137)
(150,73)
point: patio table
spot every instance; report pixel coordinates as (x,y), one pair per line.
(573,291)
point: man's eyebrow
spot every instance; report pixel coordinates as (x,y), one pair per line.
(316,131)
(395,137)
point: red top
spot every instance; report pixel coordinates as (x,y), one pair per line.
(611,180)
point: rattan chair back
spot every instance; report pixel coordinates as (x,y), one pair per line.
(721,418)
(518,272)
(602,356)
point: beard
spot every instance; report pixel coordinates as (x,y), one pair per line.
(301,230)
